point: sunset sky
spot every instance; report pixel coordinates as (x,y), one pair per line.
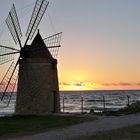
(100,42)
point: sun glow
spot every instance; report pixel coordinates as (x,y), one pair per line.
(77,86)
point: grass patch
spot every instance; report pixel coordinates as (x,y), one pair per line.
(127,133)
(21,125)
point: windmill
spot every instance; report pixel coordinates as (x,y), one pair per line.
(35,71)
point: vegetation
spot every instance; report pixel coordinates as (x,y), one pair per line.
(127,133)
(21,125)
(131,109)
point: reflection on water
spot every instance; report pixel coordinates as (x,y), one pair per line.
(92,100)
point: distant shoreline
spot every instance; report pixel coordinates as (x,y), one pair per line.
(99,90)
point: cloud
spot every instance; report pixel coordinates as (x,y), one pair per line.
(137,84)
(79,84)
(65,84)
(125,84)
(106,84)
(117,84)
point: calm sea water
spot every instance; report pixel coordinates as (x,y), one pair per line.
(71,100)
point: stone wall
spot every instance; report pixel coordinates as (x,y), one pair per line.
(38,91)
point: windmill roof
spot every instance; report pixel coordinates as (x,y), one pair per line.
(37,49)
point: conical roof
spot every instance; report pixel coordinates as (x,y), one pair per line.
(37,49)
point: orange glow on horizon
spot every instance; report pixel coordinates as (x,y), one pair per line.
(79,86)
(76,86)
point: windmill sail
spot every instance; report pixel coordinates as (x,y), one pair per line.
(53,43)
(7,54)
(8,84)
(39,10)
(14,26)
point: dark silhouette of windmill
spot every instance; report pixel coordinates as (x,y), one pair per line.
(35,71)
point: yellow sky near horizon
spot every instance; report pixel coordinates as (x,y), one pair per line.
(77,86)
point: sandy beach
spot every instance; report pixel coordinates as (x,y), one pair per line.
(86,129)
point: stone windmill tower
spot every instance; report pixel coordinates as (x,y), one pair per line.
(37,86)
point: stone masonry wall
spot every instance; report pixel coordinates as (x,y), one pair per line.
(38,92)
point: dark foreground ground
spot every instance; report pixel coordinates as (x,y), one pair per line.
(121,125)
(124,127)
(16,126)
(127,133)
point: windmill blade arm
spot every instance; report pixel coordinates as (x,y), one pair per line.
(9,82)
(11,29)
(1,63)
(38,12)
(14,26)
(7,50)
(54,47)
(8,53)
(12,90)
(60,33)
(10,48)
(53,43)
(53,40)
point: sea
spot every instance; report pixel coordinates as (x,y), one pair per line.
(86,101)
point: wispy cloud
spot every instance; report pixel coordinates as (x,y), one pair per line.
(121,84)
(65,84)
(138,84)
(125,84)
(80,84)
